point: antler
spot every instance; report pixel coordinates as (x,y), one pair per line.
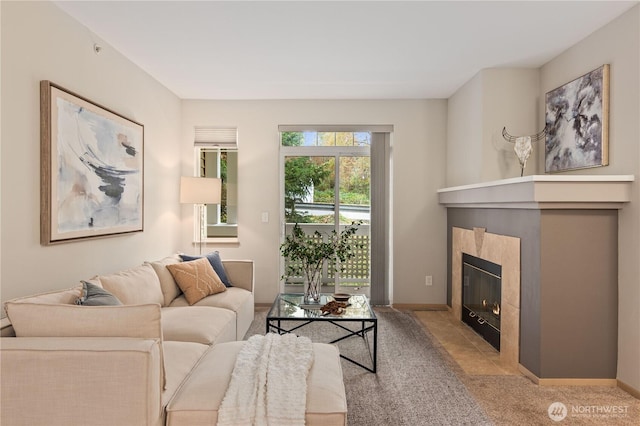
(534,138)
(507,136)
(539,135)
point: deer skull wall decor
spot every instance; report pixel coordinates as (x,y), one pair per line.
(522,145)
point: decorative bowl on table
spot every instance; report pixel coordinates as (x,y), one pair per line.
(341,297)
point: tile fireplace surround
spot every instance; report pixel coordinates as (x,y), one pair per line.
(501,250)
(534,227)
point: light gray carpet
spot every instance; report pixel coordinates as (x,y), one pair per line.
(413,385)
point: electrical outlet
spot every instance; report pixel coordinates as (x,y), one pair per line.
(428,281)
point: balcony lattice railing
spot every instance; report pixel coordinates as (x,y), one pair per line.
(355,271)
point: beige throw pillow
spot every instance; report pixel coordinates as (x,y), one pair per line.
(196,279)
(136,286)
(168,285)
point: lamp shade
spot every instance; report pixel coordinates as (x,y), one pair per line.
(199,190)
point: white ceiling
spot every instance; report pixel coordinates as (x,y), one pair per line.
(336,49)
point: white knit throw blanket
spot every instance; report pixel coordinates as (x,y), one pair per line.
(269,382)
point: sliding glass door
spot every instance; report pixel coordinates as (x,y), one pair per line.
(326,187)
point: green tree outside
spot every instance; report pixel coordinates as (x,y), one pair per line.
(306,174)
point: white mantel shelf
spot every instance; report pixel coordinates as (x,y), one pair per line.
(543,192)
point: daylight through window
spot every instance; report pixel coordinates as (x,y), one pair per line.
(217,156)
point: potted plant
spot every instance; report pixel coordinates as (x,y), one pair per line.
(307,254)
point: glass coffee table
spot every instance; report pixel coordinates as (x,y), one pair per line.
(289,313)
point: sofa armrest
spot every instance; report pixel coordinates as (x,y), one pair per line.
(240,273)
(79,381)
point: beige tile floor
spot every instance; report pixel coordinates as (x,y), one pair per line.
(472,353)
(506,395)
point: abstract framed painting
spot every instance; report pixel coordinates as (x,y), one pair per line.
(92,169)
(577,120)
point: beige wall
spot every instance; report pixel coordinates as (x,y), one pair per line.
(39,42)
(617,44)
(464,134)
(419,223)
(492,99)
(510,100)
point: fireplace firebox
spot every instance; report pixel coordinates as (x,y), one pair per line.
(481,297)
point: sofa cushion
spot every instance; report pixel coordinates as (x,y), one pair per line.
(168,285)
(215,261)
(196,279)
(93,295)
(136,286)
(46,320)
(231,299)
(198,400)
(236,299)
(198,324)
(80,381)
(180,360)
(67,297)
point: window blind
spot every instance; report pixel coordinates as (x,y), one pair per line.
(226,137)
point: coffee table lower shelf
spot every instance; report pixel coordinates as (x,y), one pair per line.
(366,326)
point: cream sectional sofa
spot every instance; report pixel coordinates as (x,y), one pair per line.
(155,360)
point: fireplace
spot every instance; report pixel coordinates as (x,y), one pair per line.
(502,250)
(482,297)
(567,264)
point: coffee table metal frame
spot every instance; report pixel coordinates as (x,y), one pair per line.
(359,312)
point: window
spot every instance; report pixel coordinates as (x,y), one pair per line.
(216,152)
(313,138)
(330,175)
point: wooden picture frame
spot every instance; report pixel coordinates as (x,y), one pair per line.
(577,120)
(91,169)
